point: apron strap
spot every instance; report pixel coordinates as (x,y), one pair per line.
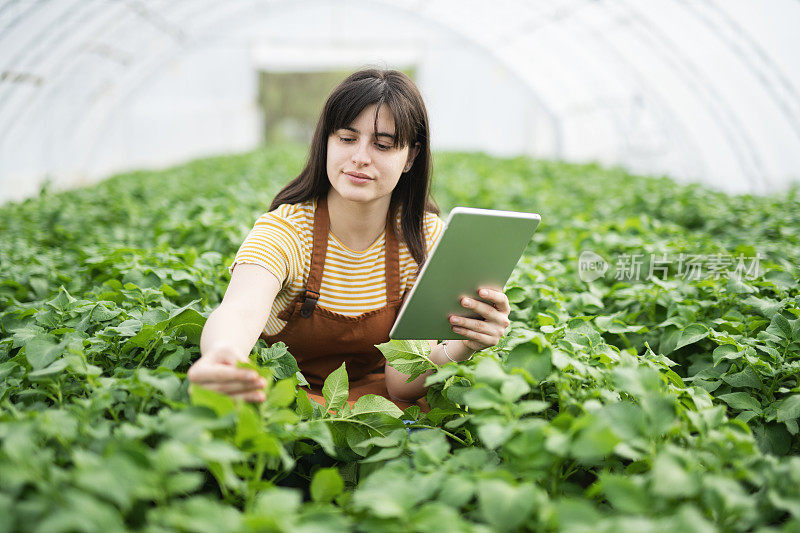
(321,229)
(392,261)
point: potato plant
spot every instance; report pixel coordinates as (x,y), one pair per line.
(626,396)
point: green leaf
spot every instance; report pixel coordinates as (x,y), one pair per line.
(781,279)
(529,357)
(737,286)
(726,351)
(49,372)
(611,324)
(788,408)
(278,358)
(127,328)
(326,485)
(282,393)
(262,371)
(102,313)
(335,389)
(63,302)
(41,351)
(429,447)
(594,442)
(484,397)
(670,479)
(505,507)
(251,435)
(410,357)
(432,515)
(319,432)
(222,404)
(745,378)
(764,306)
(391,494)
(372,403)
(691,335)
(625,493)
(514,387)
(304,407)
(781,327)
(25,334)
(774,438)
(741,400)
(515,295)
(494,434)
(532,406)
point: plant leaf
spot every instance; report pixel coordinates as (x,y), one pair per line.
(410,357)
(335,389)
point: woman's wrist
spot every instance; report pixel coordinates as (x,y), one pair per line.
(456,351)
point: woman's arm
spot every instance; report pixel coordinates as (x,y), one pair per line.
(481,333)
(232,330)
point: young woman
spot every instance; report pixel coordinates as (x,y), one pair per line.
(326,269)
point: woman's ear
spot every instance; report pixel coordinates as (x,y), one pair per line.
(412,154)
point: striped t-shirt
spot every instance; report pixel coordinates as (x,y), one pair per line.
(352,282)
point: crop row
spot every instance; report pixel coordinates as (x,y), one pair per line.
(628,399)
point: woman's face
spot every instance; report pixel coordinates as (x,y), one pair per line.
(363,165)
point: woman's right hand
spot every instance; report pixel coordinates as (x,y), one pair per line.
(217,370)
(231,331)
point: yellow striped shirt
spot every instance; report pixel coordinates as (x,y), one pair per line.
(352,282)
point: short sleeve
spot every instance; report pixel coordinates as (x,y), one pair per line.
(434,227)
(274,244)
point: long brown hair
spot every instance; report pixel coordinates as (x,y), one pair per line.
(412,193)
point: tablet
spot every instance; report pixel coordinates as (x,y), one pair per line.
(479,248)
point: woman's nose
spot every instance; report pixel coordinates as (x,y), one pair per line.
(361,153)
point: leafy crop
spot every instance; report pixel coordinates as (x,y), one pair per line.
(659,403)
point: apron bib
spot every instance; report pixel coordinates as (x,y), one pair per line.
(320,340)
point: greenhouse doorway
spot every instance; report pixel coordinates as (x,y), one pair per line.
(290,102)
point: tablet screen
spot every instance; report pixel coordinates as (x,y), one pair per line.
(479,248)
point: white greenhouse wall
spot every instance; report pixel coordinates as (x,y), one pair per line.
(706,92)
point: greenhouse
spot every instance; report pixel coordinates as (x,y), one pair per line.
(213,214)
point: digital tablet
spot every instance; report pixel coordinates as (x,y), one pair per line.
(479,248)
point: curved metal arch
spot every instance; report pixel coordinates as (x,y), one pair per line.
(173,39)
(287,4)
(18,111)
(22,16)
(491,52)
(138,73)
(749,161)
(639,81)
(101,113)
(64,70)
(762,70)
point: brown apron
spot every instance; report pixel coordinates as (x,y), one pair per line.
(321,340)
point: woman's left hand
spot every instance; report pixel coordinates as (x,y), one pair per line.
(487,332)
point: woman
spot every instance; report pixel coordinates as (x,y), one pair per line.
(326,268)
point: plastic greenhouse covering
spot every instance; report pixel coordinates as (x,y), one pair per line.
(704,91)
(210,316)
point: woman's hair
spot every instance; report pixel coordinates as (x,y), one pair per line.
(346,102)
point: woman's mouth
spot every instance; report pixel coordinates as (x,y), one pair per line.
(358,177)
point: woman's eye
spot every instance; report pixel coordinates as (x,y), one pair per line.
(382,146)
(346,139)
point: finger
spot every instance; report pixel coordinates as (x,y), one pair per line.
(498,298)
(218,373)
(483,339)
(485,310)
(235,387)
(252,396)
(480,326)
